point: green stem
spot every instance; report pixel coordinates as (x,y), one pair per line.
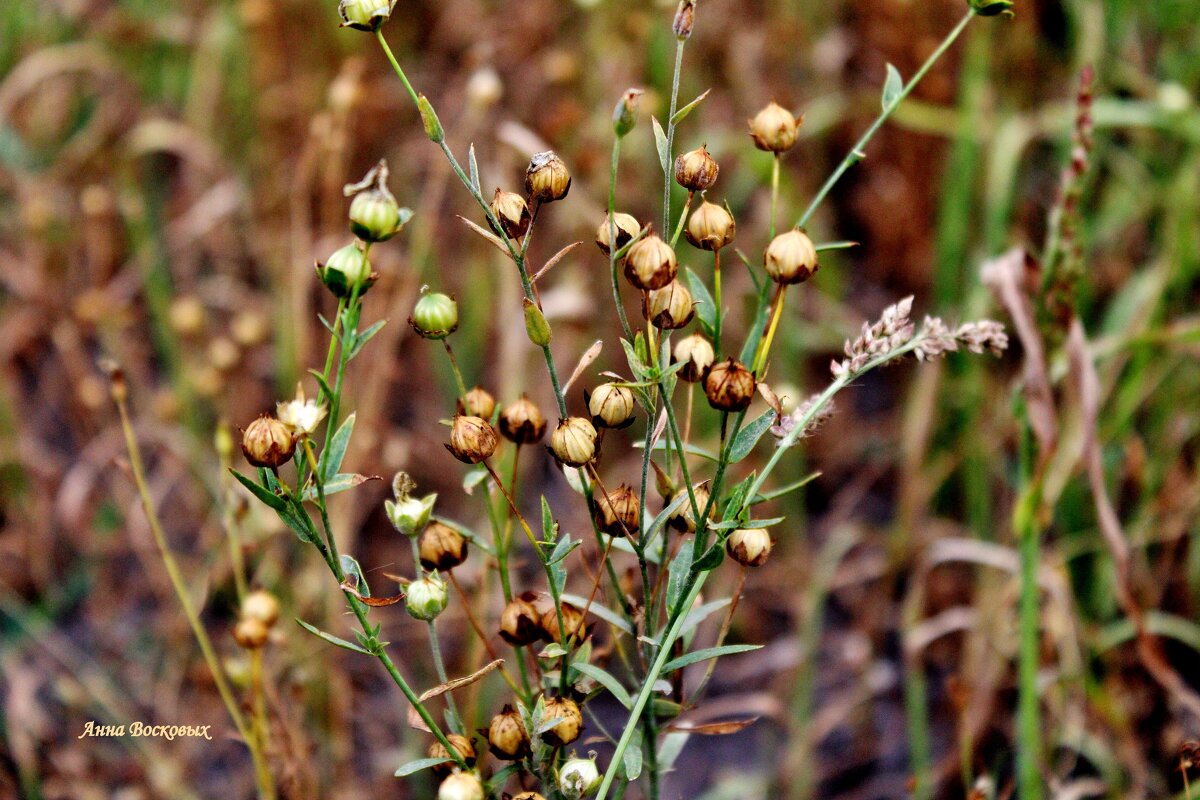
(774,194)
(717,299)
(612,238)
(671,133)
(1029,733)
(458,378)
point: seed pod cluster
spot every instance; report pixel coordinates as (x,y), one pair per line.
(472,439)
(441,547)
(522,422)
(729,386)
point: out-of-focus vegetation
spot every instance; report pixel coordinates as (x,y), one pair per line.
(170,170)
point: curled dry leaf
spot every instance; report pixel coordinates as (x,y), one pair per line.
(375,602)
(554,259)
(585,361)
(712,728)
(414,719)
(495,240)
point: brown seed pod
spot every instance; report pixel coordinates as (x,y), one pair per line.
(696,170)
(477,403)
(791,258)
(774,129)
(627,228)
(547,178)
(262,606)
(610,405)
(682,519)
(520,622)
(528,796)
(710,227)
(573,442)
(617,512)
(749,547)
(251,633)
(522,422)
(513,213)
(573,624)
(651,263)
(472,439)
(729,386)
(566,710)
(441,547)
(507,737)
(267,442)
(461,744)
(671,307)
(697,355)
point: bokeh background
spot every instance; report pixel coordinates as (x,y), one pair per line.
(169,171)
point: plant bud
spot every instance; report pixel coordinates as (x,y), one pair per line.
(774,129)
(435,316)
(522,422)
(729,386)
(512,212)
(749,547)
(250,633)
(441,547)
(520,622)
(670,307)
(429,120)
(461,744)
(710,227)
(685,19)
(696,170)
(568,729)
(477,403)
(461,786)
(573,442)
(791,258)
(618,511)
(424,599)
(611,406)
(697,355)
(683,519)
(573,623)
(472,439)
(547,178)
(627,228)
(375,216)
(262,606)
(992,8)
(409,515)
(267,442)
(347,271)
(506,735)
(650,263)
(578,777)
(365,15)
(536,326)
(625,114)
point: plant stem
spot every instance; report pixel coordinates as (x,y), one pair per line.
(612,238)
(774,195)
(683,215)
(764,347)
(458,378)
(717,299)
(671,133)
(1029,733)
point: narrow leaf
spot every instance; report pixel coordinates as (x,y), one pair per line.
(366,336)
(268,497)
(585,361)
(892,87)
(606,680)
(351,568)
(554,259)
(677,575)
(473,165)
(631,762)
(682,113)
(660,142)
(413,767)
(780,492)
(706,307)
(698,615)
(602,611)
(712,728)
(713,557)
(749,435)
(709,652)
(496,241)
(414,719)
(335,451)
(338,483)
(843,245)
(329,637)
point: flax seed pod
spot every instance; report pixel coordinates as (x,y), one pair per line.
(461,786)
(522,422)
(617,512)
(520,622)
(670,307)
(697,355)
(710,227)
(513,213)
(461,744)
(750,547)
(791,258)
(571,720)
(507,738)
(441,547)
(610,405)
(774,129)
(573,623)
(651,263)
(683,519)
(547,178)
(477,403)
(472,439)
(267,442)
(573,442)
(627,228)
(696,170)
(729,386)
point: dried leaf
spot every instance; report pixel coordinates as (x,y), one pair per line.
(496,241)
(374,602)
(414,719)
(712,728)
(585,361)
(771,398)
(554,259)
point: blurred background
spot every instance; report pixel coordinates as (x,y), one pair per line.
(170,170)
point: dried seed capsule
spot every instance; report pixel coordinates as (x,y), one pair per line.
(749,546)
(267,442)
(618,511)
(262,606)
(506,735)
(365,15)
(774,129)
(528,796)
(697,355)
(651,263)
(477,403)
(461,786)
(512,212)
(791,258)
(375,216)
(520,622)
(566,731)
(251,633)
(441,547)
(683,519)
(685,19)
(461,744)
(710,227)
(578,777)
(729,386)
(435,316)
(627,228)
(547,178)
(472,439)
(522,422)
(696,170)
(573,442)
(347,271)
(424,599)
(610,405)
(573,624)
(671,307)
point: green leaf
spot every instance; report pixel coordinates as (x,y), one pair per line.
(602,611)
(473,165)
(707,653)
(269,498)
(557,564)
(351,567)
(335,450)
(712,558)
(737,499)
(706,307)
(636,365)
(293,521)
(660,142)
(606,680)
(749,435)
(682,113)
(780,492)
(892,87)
(413,767)
(734,524)
(499,778)
(553,650)
(366,336)
(473,478)
(690,449)
(547,724)
(842,245)
(677,575)
(626,546)
(562,550)
(329,637)
(757,327)
(631,762)
(698,615)
(321,382)
(549,529)
(658,522)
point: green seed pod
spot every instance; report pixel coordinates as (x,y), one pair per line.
(536,326)
(347,270)
(429,119)
(424,599)
(435,316)
(375,216)
(365,15)
(578,777)
(625,114)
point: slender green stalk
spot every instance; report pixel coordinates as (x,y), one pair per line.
(1025,525)
(774,195)
(458,378)
(720,310)
(683,215)
(671,133)
(612,238)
